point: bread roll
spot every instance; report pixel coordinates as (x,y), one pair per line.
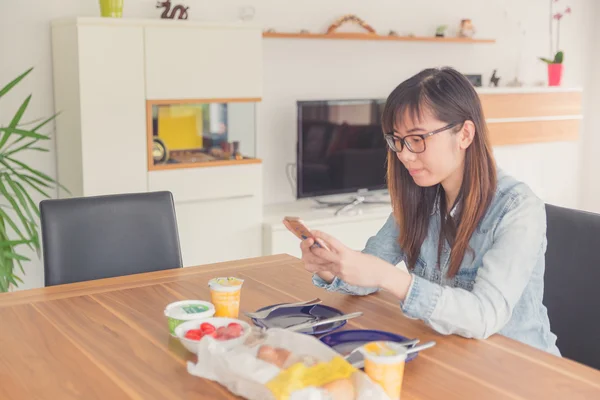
(274,355)
(341,389)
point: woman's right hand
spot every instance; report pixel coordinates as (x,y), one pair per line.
(315,264)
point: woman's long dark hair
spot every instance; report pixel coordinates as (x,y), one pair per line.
(450,97)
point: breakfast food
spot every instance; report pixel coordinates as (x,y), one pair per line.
(341,388)
(231,331)
(273,355)
(182,311)
(225,295)
(384,364)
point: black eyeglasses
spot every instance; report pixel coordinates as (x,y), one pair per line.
(414,143)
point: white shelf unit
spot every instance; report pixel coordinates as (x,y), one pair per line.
(105,70)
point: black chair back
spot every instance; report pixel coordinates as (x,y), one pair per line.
(96,237)
(572,282)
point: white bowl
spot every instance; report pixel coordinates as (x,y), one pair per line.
(192,345)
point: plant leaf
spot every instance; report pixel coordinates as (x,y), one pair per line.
(26,179)
(28,168)
(14,226)
(14,83)
(23,219)
(8,151)
(11,243)
(559,57)
(15,256)
(20,264)
(38,173)
(34,206)
(19,195)
(37,127)
(15,121)
(546,60)
(24,132)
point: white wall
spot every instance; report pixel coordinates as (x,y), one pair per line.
(298,69)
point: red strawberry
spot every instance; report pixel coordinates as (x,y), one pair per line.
(194,334)
(235,330)
(207,328)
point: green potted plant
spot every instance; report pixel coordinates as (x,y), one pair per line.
(19,214)
(440,31)
(555,64)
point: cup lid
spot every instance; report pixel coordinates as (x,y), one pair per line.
(225,283)
(190,309)
(384,352)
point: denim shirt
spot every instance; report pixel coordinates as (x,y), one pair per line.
(499,286)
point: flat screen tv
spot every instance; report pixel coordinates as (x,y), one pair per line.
(341,148)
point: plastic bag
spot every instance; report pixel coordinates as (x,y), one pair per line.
(282,365)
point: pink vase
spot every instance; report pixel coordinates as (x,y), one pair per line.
(555,72)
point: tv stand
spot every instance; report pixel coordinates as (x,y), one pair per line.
(351,202)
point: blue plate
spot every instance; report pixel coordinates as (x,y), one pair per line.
(345,341)
(286,317)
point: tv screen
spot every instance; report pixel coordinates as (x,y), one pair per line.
(341,148)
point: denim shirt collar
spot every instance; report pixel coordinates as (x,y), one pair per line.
(436,205)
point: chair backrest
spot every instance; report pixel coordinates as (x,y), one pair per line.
(98,237)
(572,282)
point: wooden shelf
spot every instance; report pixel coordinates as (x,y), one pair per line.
(372,36)
(216,163)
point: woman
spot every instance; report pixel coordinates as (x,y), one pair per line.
(472,237)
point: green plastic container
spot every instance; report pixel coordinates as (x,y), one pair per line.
(111,8)
(187,310)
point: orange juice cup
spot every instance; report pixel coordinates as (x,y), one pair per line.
(384,364)
(225,296)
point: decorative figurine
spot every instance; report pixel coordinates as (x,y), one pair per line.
(440,30)
(494,79)
(183,10)
(467,30)
(475,79)
(349,18)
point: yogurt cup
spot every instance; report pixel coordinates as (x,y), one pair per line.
(384,364)
(187,310)
(225,293)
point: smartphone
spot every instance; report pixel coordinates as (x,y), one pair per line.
(298,228)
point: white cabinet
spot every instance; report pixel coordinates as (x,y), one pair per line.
(213,63)
(219,210)
(106,71)
(99,91)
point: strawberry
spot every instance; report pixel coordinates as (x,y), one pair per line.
(207,328)
(221,331)
(235,330)
(194,334)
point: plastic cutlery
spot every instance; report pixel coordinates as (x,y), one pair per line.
(265,313)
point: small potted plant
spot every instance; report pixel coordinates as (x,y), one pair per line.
(555,64)
(441,30)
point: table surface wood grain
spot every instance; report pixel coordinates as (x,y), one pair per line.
(108,339)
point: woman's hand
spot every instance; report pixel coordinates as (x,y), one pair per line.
(353,267)
(314,264)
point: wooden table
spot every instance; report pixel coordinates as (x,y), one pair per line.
(108,339)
